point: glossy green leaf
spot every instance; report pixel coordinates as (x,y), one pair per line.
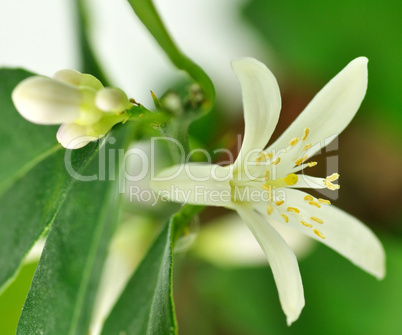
(34,181)
(146,304)
(64,287)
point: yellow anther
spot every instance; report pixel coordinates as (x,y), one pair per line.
(268,156)
(319,234)
(266,175)
(275,162)
(316,219)
(301,160)
(332,177)
(313,203)
(306,224)
(306,147)
(293,209)
(266,187)
(259,159)
(306,132)
(331,186)
(324,201)
(308,197)
(269,209)
(293,141)
(311,164)
(291,179)
(286,218)
(280,202)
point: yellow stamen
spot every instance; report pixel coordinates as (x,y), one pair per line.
(319,234)
(311,164)
(269,189)
(316,219)
(306,132)
(308,197)
(331,186)
(324,201)
(293,141)
(293,209)
(269,209)
(259,159)
(266,175)
(301,160)
(268,156)
(306,224)
(306,147)
(313,203)
(285,217)
(291,179)
(275,162)
(332,177)
(266,187)
(280,202)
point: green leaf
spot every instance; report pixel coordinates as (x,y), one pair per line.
(146,304)
(89,61)
(34,181)
(12,299)
(65,284)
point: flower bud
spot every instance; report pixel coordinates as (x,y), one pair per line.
(78,79)
(47,101)
(75,136)
(68,76)
(111,100)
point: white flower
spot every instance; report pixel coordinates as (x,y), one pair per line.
(261,184)
(79,102)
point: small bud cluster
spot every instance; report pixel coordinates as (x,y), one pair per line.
(85,109)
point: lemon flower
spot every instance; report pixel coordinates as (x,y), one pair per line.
(261,184)
(85,109)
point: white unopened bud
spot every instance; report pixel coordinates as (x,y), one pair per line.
(74,136)
(78,79)
(68,76)
(47,101)
(111,100)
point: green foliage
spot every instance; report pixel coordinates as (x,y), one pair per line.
(340,298)
(146,305)
(65,284)
(34,180)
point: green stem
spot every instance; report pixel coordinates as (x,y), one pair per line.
(89,62)
(147,13)
(182,219)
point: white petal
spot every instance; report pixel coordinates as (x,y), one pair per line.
(331,110)
(111,100)
(304,181)
(198,184)
(71,77)
(282,260)
(261,104)
(43,100)
(343,232)
(74,136)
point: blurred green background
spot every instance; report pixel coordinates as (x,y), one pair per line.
(308,42)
